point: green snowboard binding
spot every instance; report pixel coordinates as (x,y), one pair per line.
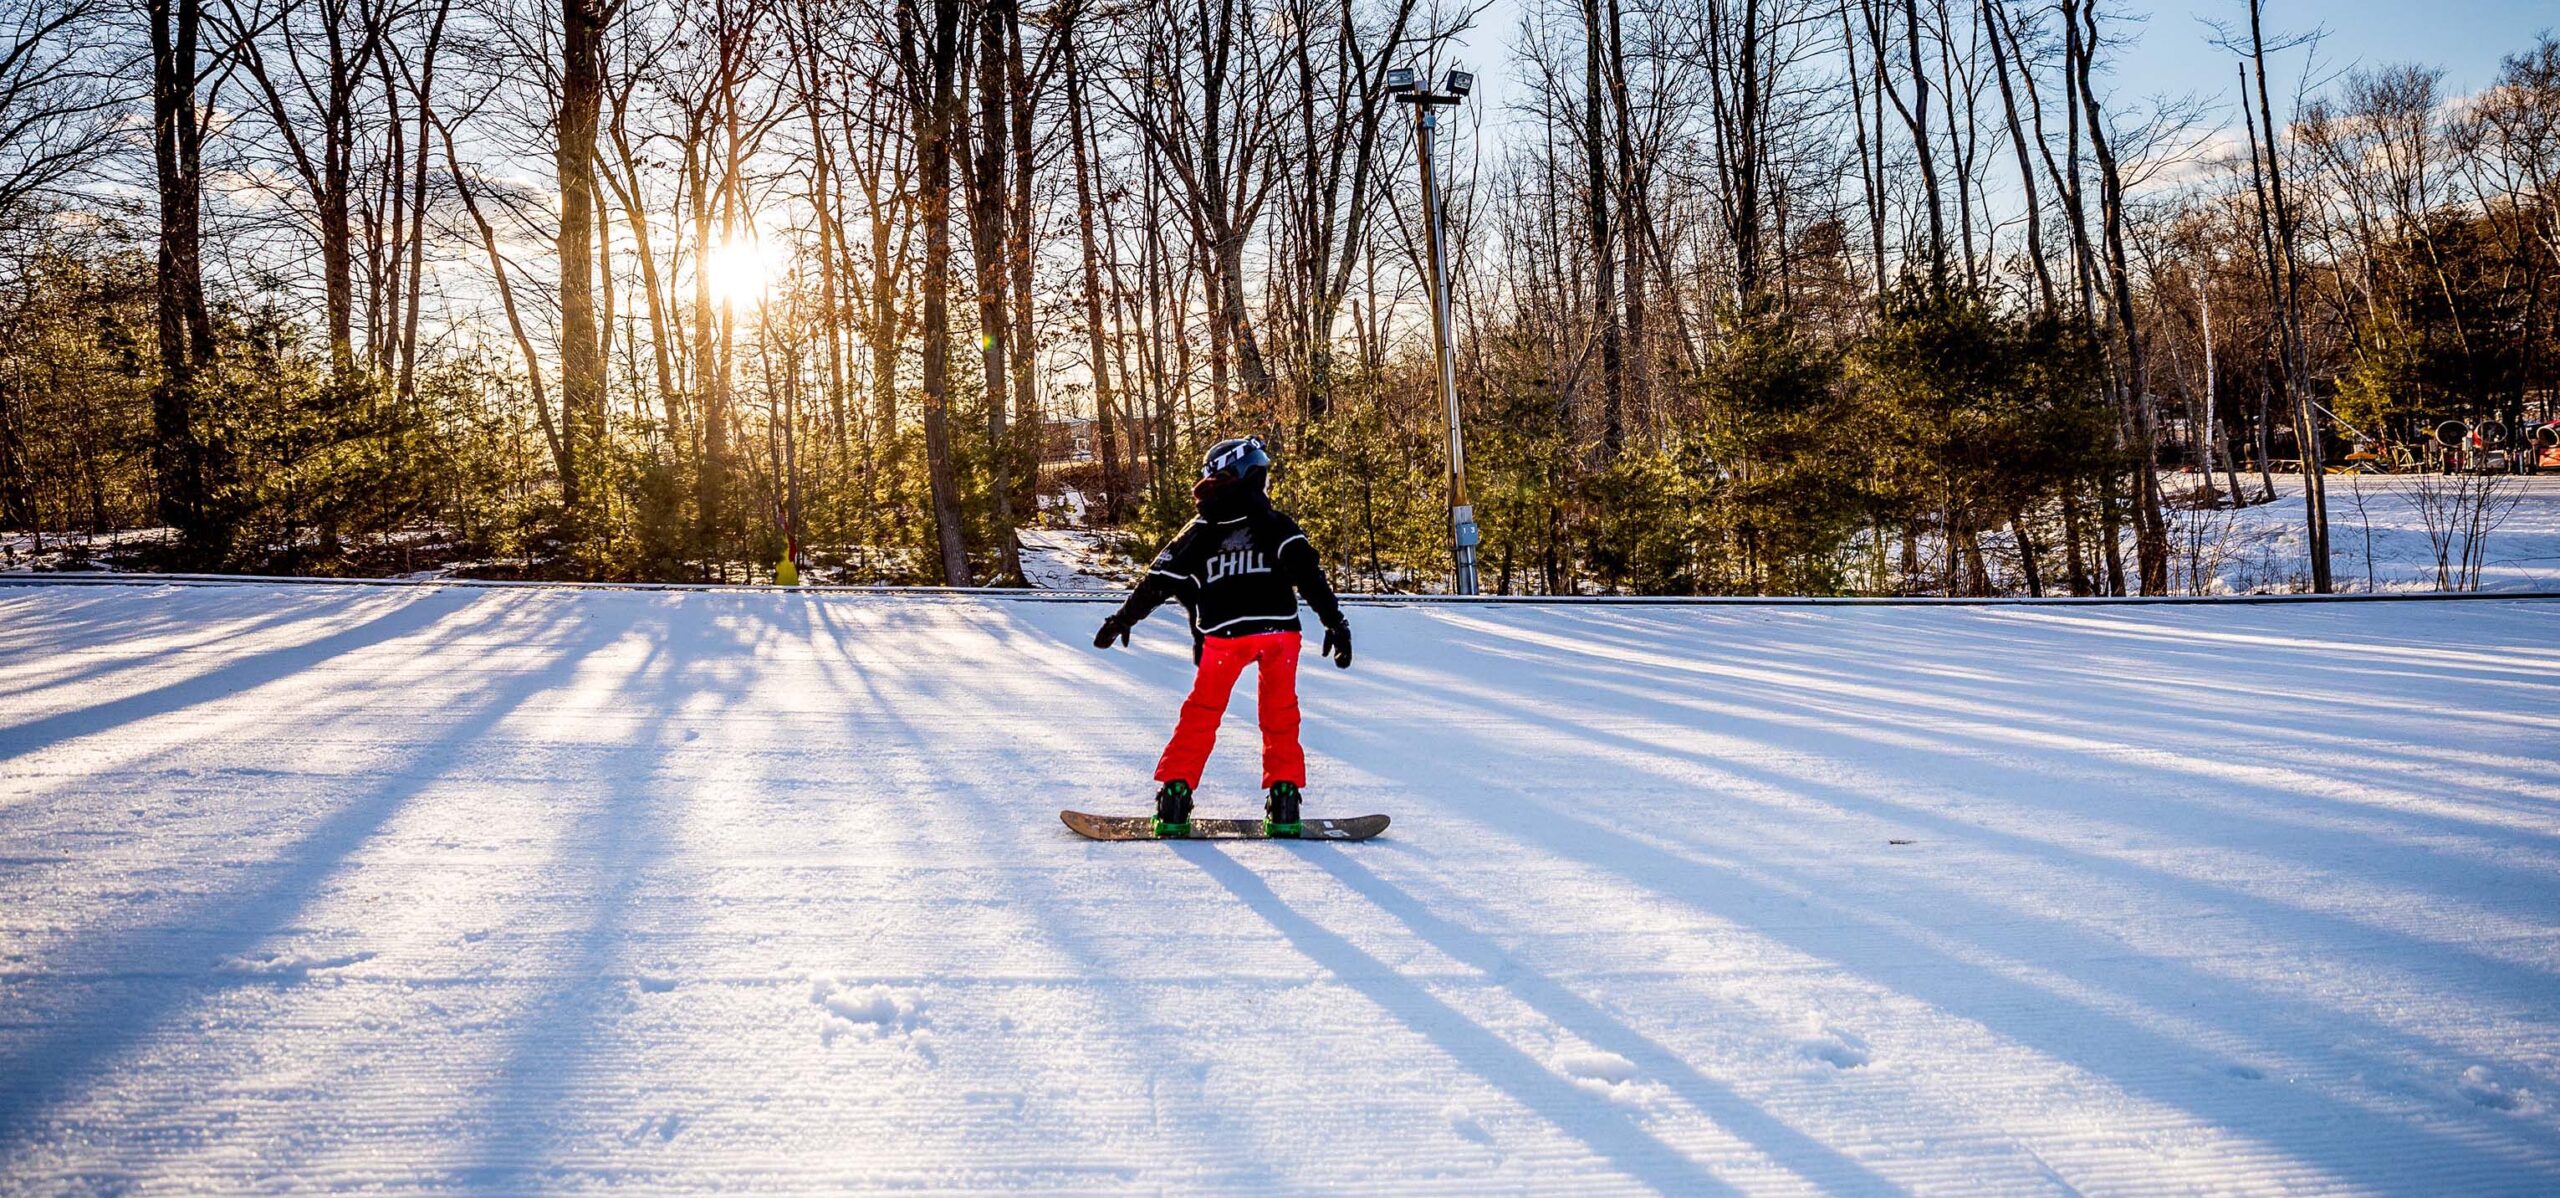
(1173,809)
(1280,813)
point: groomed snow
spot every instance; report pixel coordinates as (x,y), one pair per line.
(309,888)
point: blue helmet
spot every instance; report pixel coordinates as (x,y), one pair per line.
(1236,457)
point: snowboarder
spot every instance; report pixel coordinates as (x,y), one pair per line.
(1239,569)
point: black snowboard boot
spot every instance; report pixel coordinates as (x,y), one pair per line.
(1280,812)
(1173,809)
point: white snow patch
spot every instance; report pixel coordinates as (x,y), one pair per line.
(2378,539)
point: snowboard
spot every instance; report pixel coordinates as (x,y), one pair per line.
(1141,827)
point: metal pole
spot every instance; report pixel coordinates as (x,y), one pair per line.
(1462,513)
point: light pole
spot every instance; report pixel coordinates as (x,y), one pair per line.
(1406,86)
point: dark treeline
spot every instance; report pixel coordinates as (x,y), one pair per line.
(1823,296)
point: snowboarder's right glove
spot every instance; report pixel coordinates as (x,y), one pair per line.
(1337,644)
(1114,628)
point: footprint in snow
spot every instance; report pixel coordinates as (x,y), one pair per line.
(661,1128)
(1833,1047)
(2481,1085)
(1464,1122)
(875,1011)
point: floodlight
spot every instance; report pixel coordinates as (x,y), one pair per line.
(1400,80)
(1460,82)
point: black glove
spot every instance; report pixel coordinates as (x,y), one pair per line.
(1337,644)
(1113,629)
(1199,644)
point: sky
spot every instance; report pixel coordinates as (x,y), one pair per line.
(2174,55)
(2467,38)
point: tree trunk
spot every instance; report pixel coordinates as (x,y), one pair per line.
(662,333)
(1870,156)
(2073,530)
(417,253)
(2111,532)
(2150,528)
(1019,263)
(988,232)
(2027,566)
(936,122)
(1919,118)
(2026,164)
(1631,211)
(1095,358)
(1604,248)
(188,465)
(1738,132)
(2315,495)
(582,360)
(507,302)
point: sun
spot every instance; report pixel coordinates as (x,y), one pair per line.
(742,270)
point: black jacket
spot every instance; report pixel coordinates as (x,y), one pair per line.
(1239,569)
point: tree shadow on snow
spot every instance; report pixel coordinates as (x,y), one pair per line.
(556,1061)
(413,613)
(150,643)
(1606,1128)
(2359,1145)
(84,1042)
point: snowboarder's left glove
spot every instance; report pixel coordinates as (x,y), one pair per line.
(1113,629)
(1337,644)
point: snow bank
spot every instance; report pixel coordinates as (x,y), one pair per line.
(515,890)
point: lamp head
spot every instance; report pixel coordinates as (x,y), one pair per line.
(1400,80)
(1459,83)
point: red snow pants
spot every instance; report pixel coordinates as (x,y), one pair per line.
(1222,658)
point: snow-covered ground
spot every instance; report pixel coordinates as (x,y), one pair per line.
(1073,559)
(2377,539)
(24,551)
(307,888)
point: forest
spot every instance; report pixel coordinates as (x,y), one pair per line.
(1748,296)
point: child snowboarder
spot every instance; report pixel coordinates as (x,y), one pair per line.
(1238,569)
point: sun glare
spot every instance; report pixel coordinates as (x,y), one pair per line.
(743,271)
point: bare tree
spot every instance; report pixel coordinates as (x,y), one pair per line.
(2284,277)
(935,66)
(582,361)
(60,93)
(189,463)
(990,229)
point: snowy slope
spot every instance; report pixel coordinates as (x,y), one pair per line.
(510,890)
